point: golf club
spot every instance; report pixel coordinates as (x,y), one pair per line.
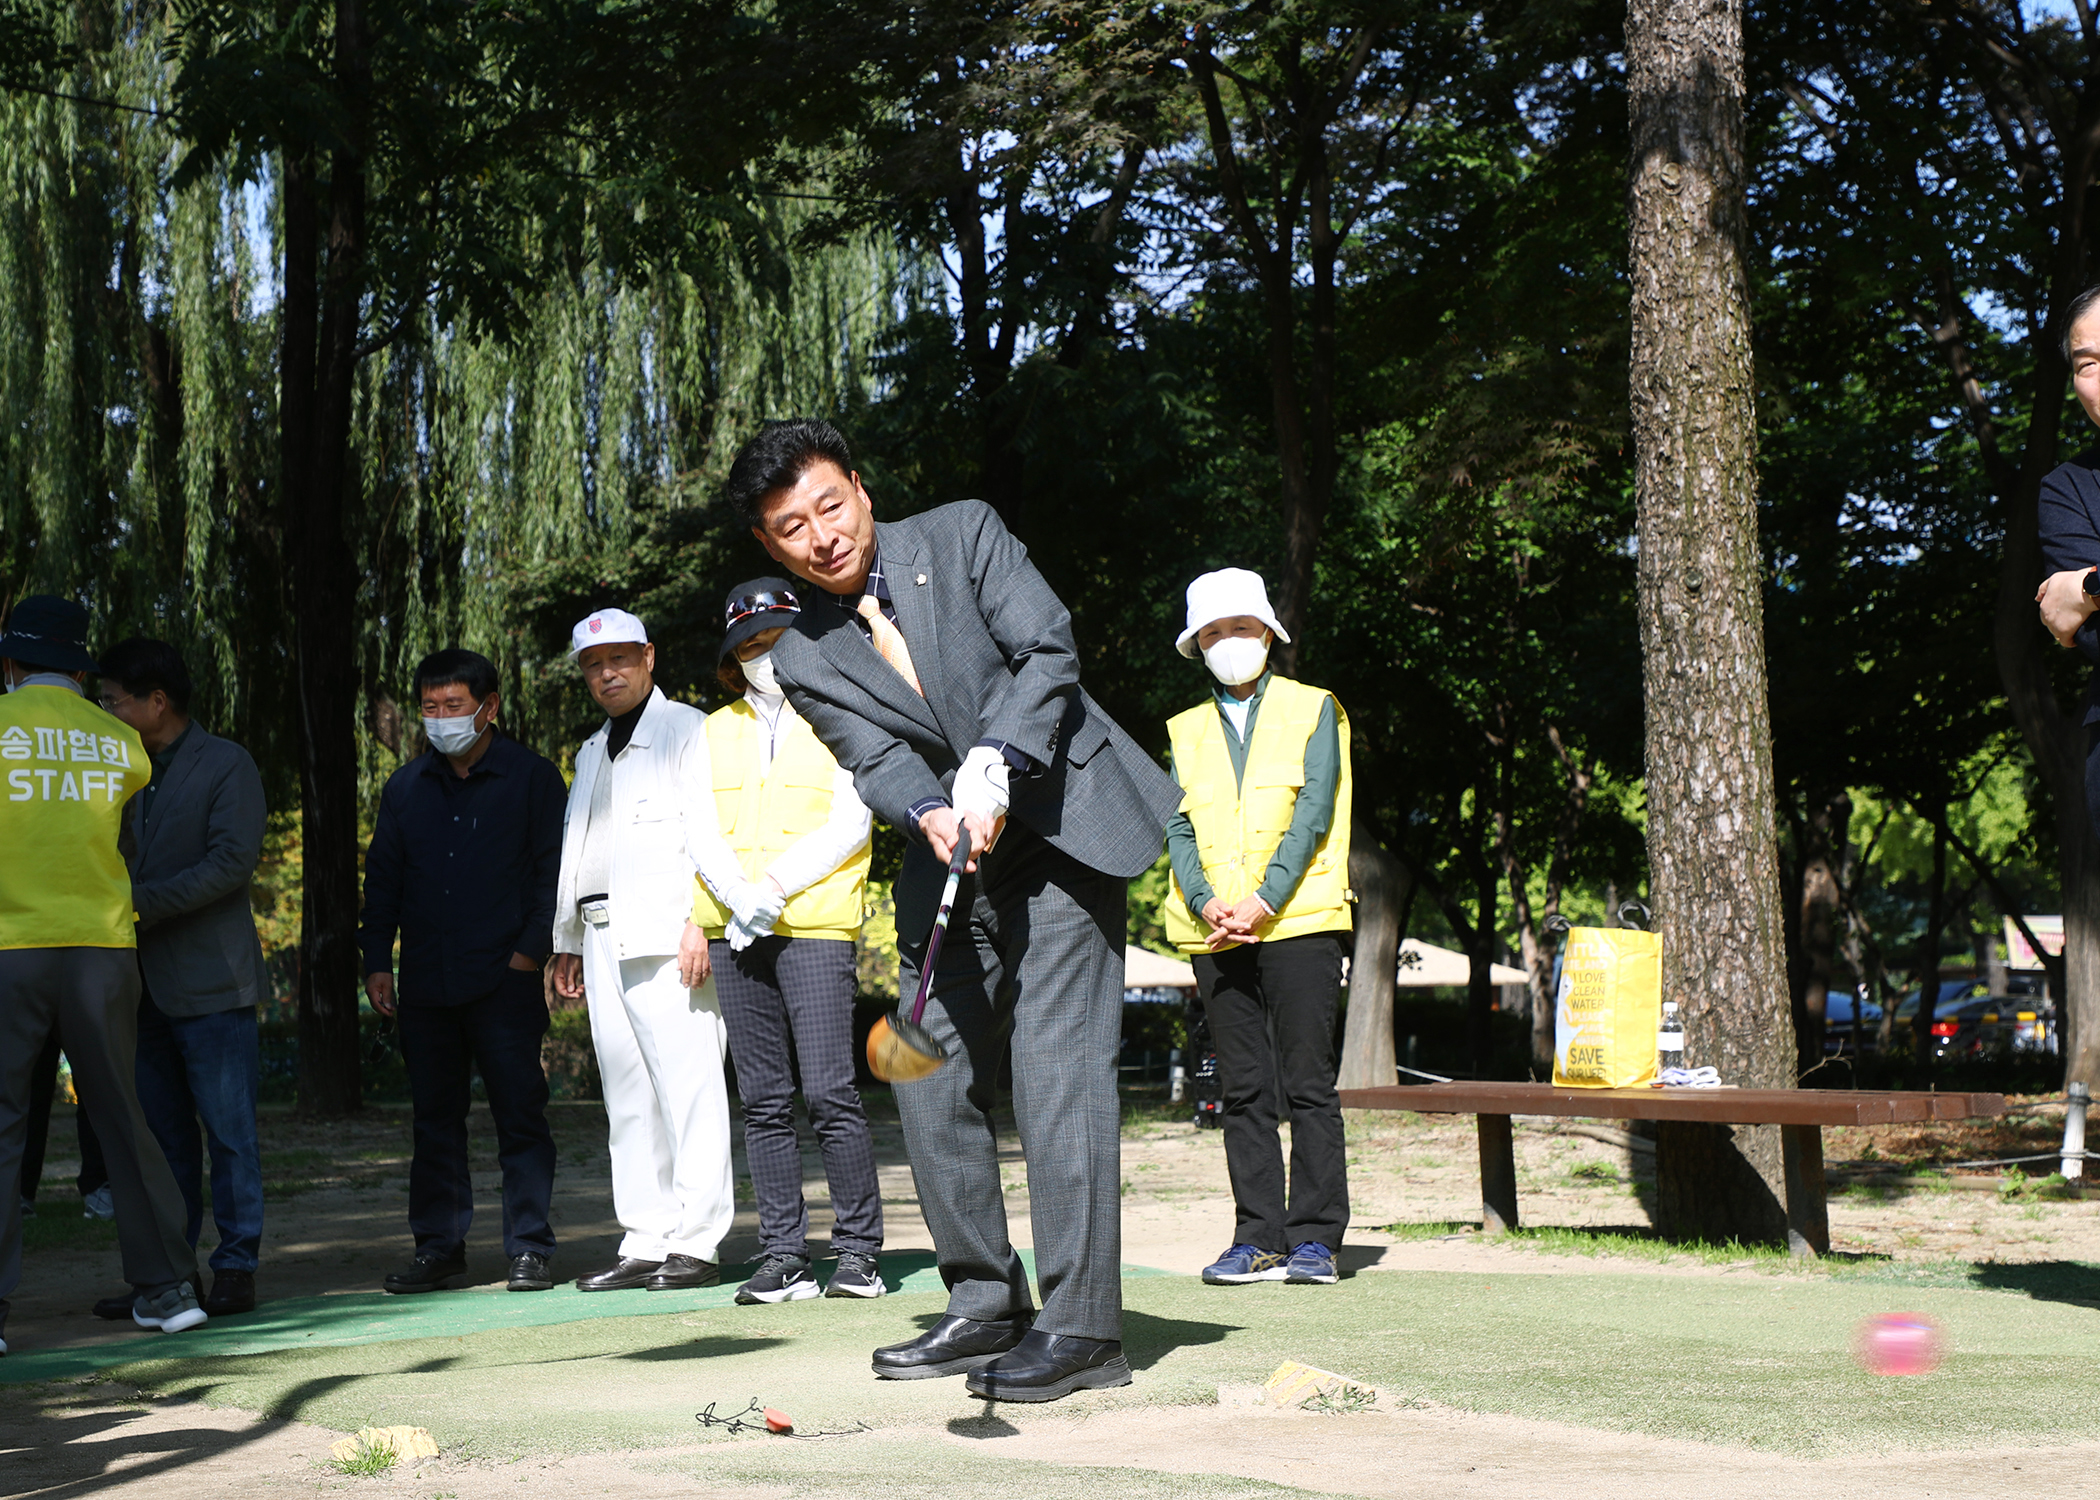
(901,1049)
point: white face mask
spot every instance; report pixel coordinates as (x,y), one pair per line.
(1237,659)
(759,673)
(453,736)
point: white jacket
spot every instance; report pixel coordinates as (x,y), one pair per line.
(664,832)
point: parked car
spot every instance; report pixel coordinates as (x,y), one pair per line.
(1849,1024)
(1995,1023)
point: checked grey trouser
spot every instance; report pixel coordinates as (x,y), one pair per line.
(90,997)
(787,1004)
(1035,952)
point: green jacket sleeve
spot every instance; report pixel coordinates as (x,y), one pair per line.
(1181,852)
(1313,815)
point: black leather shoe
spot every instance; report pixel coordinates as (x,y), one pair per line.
(528,1273)
(231,1292)
(428,1274)
(681,1271)
(1045,1366)
(116,1309)
(950,1347)
(621,1275)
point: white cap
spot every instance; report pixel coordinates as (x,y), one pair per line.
(1220,596)
(601,627)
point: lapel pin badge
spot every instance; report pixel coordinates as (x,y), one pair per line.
(922,578)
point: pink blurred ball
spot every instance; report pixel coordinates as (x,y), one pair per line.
(1897,1343)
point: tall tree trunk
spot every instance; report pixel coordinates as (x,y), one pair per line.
(1929,945)
(1712,846)
(1823,845)
(320,358)
(1382,885)
(1480,993)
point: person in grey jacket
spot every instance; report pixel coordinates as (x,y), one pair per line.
(939,668)
(196,833)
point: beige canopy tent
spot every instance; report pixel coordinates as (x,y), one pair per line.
(1145,970)
(1425,966)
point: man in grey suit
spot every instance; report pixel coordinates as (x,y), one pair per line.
(938,666)
(196,832)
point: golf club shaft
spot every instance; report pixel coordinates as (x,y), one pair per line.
(956,862)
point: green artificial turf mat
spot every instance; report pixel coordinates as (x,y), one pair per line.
(1755,1360)
(376,1317)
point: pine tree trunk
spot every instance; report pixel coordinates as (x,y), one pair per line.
(1381,884)
(1929,949)
(1712,846)
(1825,831)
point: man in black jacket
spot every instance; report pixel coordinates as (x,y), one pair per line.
(463,864)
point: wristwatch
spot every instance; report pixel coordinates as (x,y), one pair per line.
(2091,583)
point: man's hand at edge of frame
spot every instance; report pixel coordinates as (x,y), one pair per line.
(695,965)
(568,975)
(379,989)
(2064,603)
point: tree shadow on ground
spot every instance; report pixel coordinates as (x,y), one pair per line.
(2074,1282)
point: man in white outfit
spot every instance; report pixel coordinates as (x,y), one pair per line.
(640,824)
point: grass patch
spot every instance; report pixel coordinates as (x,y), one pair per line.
(304,1160)
(1595,1171)
(368,1460)
(1637,1244)
(62,1226)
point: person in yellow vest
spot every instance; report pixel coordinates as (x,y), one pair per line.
(68,949)
(1260,900)
(783,947)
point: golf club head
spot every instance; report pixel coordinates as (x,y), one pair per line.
(899,1051)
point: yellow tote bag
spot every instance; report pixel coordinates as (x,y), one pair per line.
(1608,1008)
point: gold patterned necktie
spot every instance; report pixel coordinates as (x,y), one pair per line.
(889,640)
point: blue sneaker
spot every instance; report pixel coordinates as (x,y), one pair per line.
(1242,1264)
(1311,1265)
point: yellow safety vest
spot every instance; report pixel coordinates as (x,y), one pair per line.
(69,767)
(762,815)
(1240,824)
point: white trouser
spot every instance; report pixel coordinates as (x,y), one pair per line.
(660,1049)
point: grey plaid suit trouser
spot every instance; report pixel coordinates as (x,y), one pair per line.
(1034,951)
(789,1002)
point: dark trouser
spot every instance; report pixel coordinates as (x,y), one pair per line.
(209,1066)
(90,997)
(1035,950)
(500,1034)
(783,993)
(43,1094)
(1271,1008)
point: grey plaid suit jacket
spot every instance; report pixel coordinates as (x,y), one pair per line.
(993,649)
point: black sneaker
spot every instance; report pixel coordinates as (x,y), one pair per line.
(780,1277)
(430,1273)
(857,1275)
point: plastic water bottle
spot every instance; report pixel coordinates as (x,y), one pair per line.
(1669,1039)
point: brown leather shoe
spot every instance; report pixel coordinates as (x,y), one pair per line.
(681,1271)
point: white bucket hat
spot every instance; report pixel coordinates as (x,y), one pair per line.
(603,627)
(1220,596)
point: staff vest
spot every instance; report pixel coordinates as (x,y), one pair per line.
(1239,824)
(69,767)
(762,815)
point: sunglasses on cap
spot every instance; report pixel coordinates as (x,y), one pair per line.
(758,604)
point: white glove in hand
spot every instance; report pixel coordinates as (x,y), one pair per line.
(742,899)
(767,905)
(740,937)
(980,786)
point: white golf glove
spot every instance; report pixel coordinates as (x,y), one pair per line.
(757,905)
(980,786)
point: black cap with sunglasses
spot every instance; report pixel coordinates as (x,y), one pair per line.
(761,604)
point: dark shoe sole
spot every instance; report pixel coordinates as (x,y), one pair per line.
(934,1372)
(529,1286)
(682,1284)
(1094,1378)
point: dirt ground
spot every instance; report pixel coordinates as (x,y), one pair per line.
(336,1223)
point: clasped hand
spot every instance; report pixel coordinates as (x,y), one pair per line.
(1234,924)
(2064,603)
(940,823)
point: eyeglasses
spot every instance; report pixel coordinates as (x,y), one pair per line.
(758,604)
(109,704)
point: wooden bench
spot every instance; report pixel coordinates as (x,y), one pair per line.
(1800,1115)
